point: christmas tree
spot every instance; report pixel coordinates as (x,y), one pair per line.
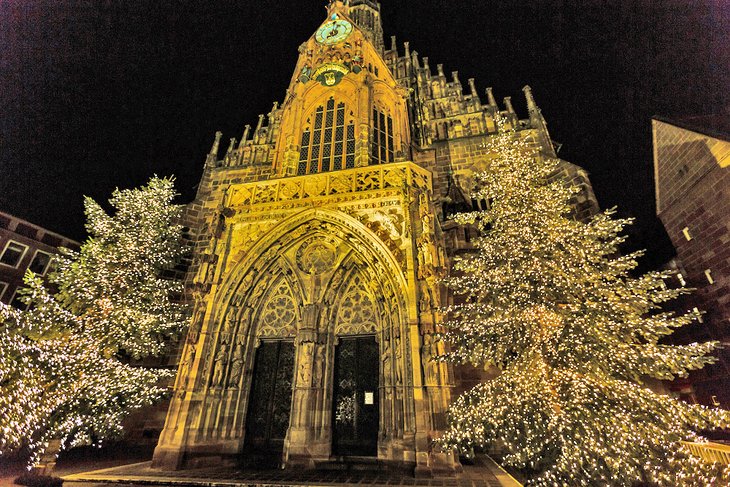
(549,301)
(64,363)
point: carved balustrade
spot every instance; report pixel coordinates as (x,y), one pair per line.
(393,176)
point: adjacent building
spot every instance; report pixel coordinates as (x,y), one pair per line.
(692,180)
(25,246)
(319,241)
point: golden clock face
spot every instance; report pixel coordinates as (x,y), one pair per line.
(333,32)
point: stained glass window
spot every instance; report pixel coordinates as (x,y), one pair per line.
(381,146)
(328,148)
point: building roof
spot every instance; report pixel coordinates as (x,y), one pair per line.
(30,230)
(717,125)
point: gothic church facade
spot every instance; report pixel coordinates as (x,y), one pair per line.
(319,241)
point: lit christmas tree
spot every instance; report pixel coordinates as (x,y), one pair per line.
(548,300)
(64,370)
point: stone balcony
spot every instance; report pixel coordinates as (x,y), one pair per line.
(359,182)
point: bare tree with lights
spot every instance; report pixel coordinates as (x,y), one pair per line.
(64,372)
(549,301)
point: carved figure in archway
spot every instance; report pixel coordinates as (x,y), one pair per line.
(220,364)
(305,364)
(236,367)
(430,354)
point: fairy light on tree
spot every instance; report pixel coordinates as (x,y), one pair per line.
(548,300)
(63,362)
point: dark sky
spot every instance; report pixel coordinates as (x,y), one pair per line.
(102,94)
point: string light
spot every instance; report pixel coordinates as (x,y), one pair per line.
(548,300)
(64,371)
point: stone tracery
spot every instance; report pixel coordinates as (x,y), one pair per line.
(278,315)
(356,312)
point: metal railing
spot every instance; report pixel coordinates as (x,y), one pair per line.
(710,452)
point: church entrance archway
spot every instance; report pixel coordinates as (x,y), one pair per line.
(355,397)
(267,419)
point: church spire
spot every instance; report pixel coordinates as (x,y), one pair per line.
(366,15)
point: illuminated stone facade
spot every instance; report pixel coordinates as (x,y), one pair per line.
(320,239)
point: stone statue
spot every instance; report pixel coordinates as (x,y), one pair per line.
(220,364)
(305,364)
(236,367)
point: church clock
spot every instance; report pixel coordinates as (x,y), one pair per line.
(333,32)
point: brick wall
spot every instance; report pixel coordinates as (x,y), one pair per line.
(693,193)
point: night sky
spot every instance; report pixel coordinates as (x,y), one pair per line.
(102,94)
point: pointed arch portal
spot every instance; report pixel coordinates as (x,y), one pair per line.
(306,350)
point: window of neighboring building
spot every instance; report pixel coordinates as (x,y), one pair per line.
(381,147)
(40,262)
(13,253)
(328,143)
(16,302)
(680,277)
(3,287)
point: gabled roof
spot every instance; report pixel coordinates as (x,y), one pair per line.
(717,125)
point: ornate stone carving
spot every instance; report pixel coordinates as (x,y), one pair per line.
(315,256)
(236,366)
(219,367)
(305,364)
(429,355)
(357,313)
(278,315)
(360,179)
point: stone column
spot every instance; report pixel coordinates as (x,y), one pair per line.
(302,446)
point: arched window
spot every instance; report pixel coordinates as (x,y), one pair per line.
(327,144)
(381,148)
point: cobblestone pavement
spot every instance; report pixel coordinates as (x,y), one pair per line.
(481,474)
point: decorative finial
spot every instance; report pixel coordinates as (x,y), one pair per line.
(472,87)
(531,105)
(232,145)
(508,104)
(490,97)
(244,138)
(216,144)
